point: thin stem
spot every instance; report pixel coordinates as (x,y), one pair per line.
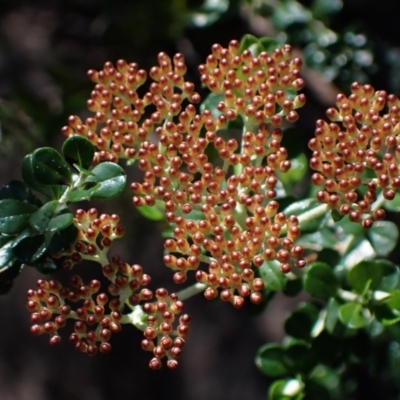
(191,291)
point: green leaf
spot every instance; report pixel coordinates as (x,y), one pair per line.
(80,195)
(16,190)
(153,213)
(30,249)
(272,276)
(110,179)
(351,315)
(365,275)
(40,219)
(293,287)
(390,276)
(301,321)
(78,149)
(328,348)
(288,13)
(269,44)
(324,237)
(386,314)
(393,205)
(49,168)
(60,222)
(31,181)
(48,218)
(14,215)
(394,300)
(300,207)
(299,358)
(7,245)
(320,281)
(210,12)
(299,167)
(57,241)
(251,43)
(286,389)
(210,103)
(269,359)
(323,9)
(383,236)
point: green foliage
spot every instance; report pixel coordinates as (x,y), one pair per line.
(33,230)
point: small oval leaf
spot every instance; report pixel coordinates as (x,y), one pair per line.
(78,149)
(14,215)
(49,168)
(320,281)
(110,179)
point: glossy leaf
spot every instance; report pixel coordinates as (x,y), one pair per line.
(366,274)
(299,358)
(269,360)
(40,219)
(14,215)
(80,195)
(320,281)
(383,236)
(269,44)
(58,241)
(30,249)
(16,190)
(60,222)
(300,207)
(251,43)
(211,102)
(301,321)
(31,181)
(78,150)
(290,389)
(272,276)
(351,315)
(110,179)
(49,168)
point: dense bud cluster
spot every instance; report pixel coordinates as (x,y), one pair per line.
(222,211)
(97,316)
(357,154)
(96,234)
(218,192)
(160,330)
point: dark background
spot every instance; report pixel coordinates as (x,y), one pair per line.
(45,50)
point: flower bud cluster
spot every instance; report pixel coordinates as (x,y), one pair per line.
(259,88)
(217,192)
(122,118)
(97,316)
(96,234)
(160,336)
(357,154)
(94,325)
(222,212)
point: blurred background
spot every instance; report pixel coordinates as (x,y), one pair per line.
(45,50)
